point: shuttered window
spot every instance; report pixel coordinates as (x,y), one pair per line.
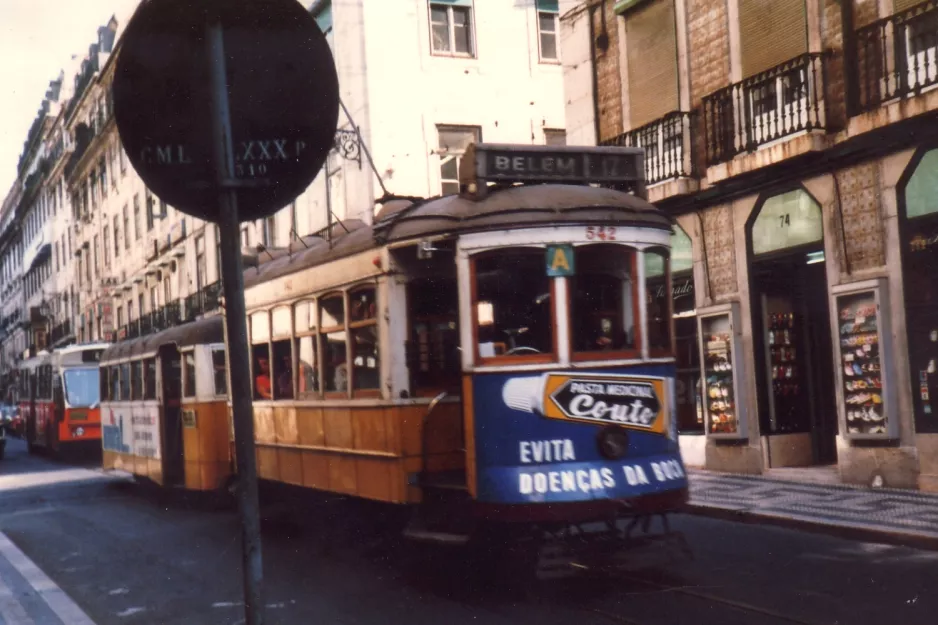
(771,32)
(651,45)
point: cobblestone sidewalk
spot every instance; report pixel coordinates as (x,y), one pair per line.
(28,596)
(878,515)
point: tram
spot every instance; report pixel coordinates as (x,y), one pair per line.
(494,358)
(58,399)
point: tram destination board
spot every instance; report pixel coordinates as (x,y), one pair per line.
(484,163)
(282,97)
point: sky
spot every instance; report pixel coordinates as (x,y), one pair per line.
(37,40)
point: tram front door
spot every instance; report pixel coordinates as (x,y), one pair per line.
(171,418)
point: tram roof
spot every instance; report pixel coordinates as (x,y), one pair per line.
(502,209)
(204,331)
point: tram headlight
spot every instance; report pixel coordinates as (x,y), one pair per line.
(613,443)
(79,431)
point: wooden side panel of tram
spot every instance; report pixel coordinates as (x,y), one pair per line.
(205,445)
(362,451)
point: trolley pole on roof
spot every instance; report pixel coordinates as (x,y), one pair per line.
(232,271)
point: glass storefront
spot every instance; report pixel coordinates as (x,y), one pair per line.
(688,391)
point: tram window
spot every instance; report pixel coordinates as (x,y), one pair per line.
(261,360)
(125,381)
(365,361)
(658,296)
(335,371)
(281,322)
(513,304)
(332,325)
(603,299)
(304,318)
(433,352)
(363,321)
(136,380)
(188,374)
(149,378)
(332,312)
(115,379)
(307,374)
(260,327)
(283,368)
(103,381)
(220,370)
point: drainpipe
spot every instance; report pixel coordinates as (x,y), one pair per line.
(595,73)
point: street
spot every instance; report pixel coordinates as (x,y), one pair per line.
(125,555)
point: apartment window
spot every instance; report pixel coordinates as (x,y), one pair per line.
(245,239)
(167,291)
(269,231)
(323,19)
(149,210)
(93,185)
(451,27)
(117,232)
(141,304)
(555,137)
(107,247)
(217,253)
(201,271)
(453,143)
(138,227)
(95,252)
(56,255)
(123,161)
(120,316)
(130,310)
(102,176)
(154,298)
(548,28)
(126,228)
(651,50)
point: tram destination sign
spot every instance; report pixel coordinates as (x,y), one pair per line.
(499,163)
(282,93)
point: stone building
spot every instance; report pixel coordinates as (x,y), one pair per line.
(795,143)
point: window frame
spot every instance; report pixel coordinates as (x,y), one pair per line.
(323,332)
(185,390)
(451,30)
(357,325)
(223,351)
(312,333)
(638,286)
(538,12)
(671,350)
(510,359)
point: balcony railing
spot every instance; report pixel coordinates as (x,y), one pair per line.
(897,56)
(779,102)
(61,331)
(668,146)
(204,301)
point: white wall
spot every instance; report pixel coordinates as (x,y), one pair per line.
(577,74)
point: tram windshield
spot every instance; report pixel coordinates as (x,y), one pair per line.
(81,387)
(514,303)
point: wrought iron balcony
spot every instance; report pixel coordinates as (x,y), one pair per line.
(668,145)
(779,102)
(897,56)
(61,331)
(203,301)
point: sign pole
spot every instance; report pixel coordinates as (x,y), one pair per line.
(236,326)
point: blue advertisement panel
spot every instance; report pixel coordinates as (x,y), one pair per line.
(538,436)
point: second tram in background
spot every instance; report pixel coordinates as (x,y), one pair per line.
(499,360)
(59,399)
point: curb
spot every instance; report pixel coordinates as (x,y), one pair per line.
(838,530)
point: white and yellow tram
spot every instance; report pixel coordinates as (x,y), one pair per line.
(488,358)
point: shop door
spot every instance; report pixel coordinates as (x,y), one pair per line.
(170,398)
(920,274)
(794,360)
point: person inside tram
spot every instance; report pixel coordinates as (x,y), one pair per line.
(262,380)
(285,378)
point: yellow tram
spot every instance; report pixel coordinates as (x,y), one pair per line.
(494,356)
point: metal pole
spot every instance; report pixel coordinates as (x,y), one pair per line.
(237,333)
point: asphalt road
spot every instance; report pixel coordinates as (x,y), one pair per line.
(127,556)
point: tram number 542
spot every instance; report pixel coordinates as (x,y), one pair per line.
(603,233)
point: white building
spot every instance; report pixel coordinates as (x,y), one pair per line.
(420,79)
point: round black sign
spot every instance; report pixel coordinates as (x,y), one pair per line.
(283,98)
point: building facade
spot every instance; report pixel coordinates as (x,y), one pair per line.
(89,254)
(795,142)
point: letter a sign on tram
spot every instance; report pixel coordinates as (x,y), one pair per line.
(227,110)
